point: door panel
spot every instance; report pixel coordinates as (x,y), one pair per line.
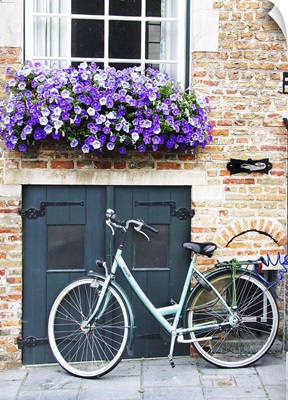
(62,246)
(164,283)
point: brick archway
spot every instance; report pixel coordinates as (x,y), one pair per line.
(273,229)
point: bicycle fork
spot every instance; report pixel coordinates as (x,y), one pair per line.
(104,297)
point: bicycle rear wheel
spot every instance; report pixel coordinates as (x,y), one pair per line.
(251,338)
(94,351)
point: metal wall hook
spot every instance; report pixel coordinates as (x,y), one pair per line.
(235,166)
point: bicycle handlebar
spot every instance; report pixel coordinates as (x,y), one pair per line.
(116,222)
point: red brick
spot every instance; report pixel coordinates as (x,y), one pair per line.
(168,165)
(62,164)
(34,164)
(239,181)
(119,165)
(103,165)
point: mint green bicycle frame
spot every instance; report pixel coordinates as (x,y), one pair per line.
(158,313)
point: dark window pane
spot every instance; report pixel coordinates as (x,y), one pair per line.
(151,65)
(151,254)
(124,39)
(87,38)
(65,246)
(94,7)
(153,8)
(125,7)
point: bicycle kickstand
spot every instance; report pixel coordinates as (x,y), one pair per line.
(172,344)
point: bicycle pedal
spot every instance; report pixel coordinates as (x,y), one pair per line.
(172,364)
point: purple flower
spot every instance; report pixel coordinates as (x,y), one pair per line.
(74,143)
(122,150)
(22,147)
(85,148)
(126,106)
(56,135)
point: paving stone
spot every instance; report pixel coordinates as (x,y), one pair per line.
(169,393)
(111,388)
(151,379)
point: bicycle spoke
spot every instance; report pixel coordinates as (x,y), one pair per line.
(251,337)
(88,351)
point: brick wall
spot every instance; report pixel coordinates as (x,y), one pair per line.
(244,214)
(10,243)
(244,83)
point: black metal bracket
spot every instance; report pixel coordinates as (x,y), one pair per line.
(33,213)
(235,166)
(182,213)
(285,120)
(31,341)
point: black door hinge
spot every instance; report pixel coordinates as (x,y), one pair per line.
(33,213)
(31,341)
(181,213)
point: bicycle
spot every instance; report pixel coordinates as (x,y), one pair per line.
(229,315)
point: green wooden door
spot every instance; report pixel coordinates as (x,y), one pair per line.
(62,245)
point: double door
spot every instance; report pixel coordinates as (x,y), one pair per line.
(61,243)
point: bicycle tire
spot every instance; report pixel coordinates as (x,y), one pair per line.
(83,352)
(240,346)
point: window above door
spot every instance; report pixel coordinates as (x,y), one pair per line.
(119,33)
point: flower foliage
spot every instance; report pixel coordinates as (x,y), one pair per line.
(102,109)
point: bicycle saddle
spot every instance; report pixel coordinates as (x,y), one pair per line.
(204,248)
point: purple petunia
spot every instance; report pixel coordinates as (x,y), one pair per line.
(98,109)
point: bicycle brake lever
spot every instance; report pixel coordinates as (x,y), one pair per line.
(138,229)
(111,227)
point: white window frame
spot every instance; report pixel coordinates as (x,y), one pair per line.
(179,48)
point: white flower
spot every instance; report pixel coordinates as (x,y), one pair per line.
(65,93)
(45,111)
(135,136)
(96,144)
(111,115)
(57,111)
(58,124)
(43,121)
(91,111)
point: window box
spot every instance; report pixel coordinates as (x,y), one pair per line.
(100,110)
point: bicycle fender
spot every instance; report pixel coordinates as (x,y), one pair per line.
(127,301)
(208,276)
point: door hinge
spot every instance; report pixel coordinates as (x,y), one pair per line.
(181,213)
(33,213)
(30,341)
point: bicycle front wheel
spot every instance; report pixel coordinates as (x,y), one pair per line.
(247,341)
(88,351)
